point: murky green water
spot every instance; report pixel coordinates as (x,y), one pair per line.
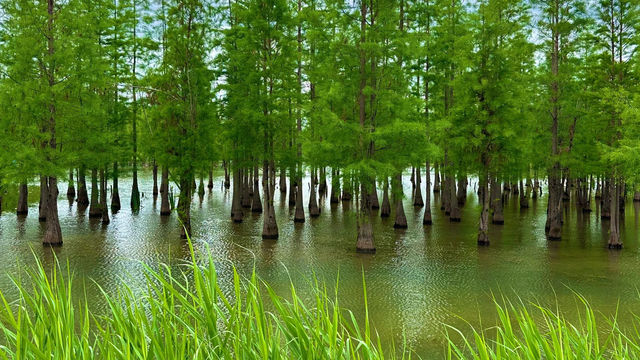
(418,278)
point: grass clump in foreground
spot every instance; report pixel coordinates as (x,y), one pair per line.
(545,334)
(180,316)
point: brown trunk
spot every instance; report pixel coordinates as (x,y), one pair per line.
(314,210)
(95,210)
(322,187)
(436,179)
(115,193)
(484,200)
(334,198)
(104,212)
(292,190)
(524,201)
(53,233)
(83,196)
(184,204)
(375,203)
(245,198)
(606,199)
(462,190)
(614,224)
(299,214)
(365,241)
(536,189)
(23,200)
(417,198)
(155,178)
(283,180)
(401,218)
(165,207)
(42,207)
(385,210)
(256,203)
(454,211)
(71,190)
(210,183)
(227,182)
(496,202)
(554,206)
(236,203)
(201,188)
(427,219)
(446,196)
(515,189)
(269,224)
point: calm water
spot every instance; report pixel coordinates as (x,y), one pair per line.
(418,278)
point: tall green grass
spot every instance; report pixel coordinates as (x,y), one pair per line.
(536,332)
(181,315)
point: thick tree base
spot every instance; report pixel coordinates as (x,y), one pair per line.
(384,214)
(427,222)
(22,212)
(617,246)
(269,236)
(52,244)
(483,240)
(298,220)
(551,237)
(165,213)
(400,226)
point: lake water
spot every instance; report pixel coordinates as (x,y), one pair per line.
(418,279)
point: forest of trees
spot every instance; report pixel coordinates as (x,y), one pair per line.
(353,93)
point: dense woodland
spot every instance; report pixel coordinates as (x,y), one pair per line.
(513,93)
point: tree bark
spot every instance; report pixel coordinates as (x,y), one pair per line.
(23,200)
(165,207)
(184,204)
(614,224)
(283,180)
(71,190)
(524,201)
(155,178)
(115,193)
(314,210)
(417,198)
(496,202)
(454,212)
(210,183)
(436,179)
(269,224)
(245,198)
(427,218)
(236,203)
(42,207)
(83,196)
(461,196)
(385,210)
(104,212)
(292,190)
(375,203)
(401,218)
(227,182)
(256,203)
(484,199)
(95,210)
(365,241)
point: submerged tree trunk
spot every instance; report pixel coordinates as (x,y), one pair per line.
(283,180)
(256,203)
(71,189)
(322,187)
(454,211)
(554,205)
(83,196)
(184,204)
(605,199)
(461,196)
(496,201)
(42,207)
(155,179)
(201,188)
(104,212)
(401,218)
(375,203)
(365,241)
(436,179)
(334,198)
(484,200)
(314,210)
(615,193)
(23,200)
(53,233)
(245,198)
(236,202)
(427,218)
(524,201)
(299,213)
(210,183)
(385,210)
(165,207)
(95,210)
(417,198)
(227,182)
(269,224)
(135,191)
(115,193)
(292,190)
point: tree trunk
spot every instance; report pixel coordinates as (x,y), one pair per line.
(334,196)
(256,203)
(436,179)
(427,218)
(135,191)
(461,196)
(236,203)
(614,232)
(606,199)
(375,203)
(245,198)
(95,210)
(115,193)
(524,201)
(269,224)
(292,190)
(484,200)
(227,182)
(155,178)
(83,196)
(314,210)
(23,200)
(299,214)
(71,190)
(283,180)
(365,241)
(210,183)
(417,198)
(165,207)
(322,187)
(385,210)
(401,218)
(496,202)
(42,207)
(103,197)
(454,212)
(554,205)
(201,188)
(53,233)
(184,204)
